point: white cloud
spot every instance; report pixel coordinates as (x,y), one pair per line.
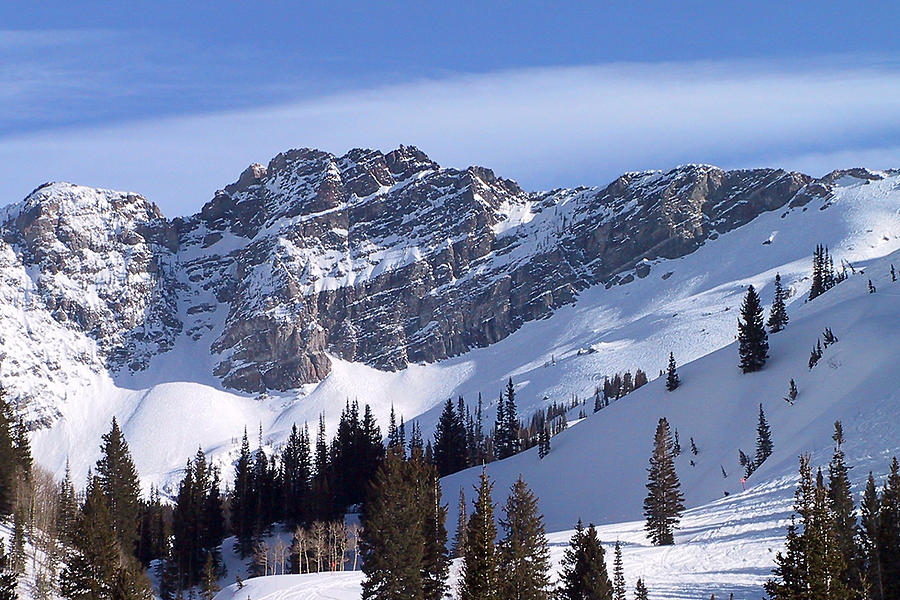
(544,127)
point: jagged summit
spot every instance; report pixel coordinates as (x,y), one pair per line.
(384,259)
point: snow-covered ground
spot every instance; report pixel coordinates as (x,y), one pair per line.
(687,306)
(726,544)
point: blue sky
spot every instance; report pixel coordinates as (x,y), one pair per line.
(173,102)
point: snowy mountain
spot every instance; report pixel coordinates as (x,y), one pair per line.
(386,278)
(726,543)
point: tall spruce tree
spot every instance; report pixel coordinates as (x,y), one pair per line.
(583,574)
(450,453)
(479,578)
(9,579)
(618,573)
(753,342)
(889,534)
(506,436)
(8,466)
(664,502)
(817,288)
(462,520)
(672,381)
(870,522)
(243,509)
(295,476)
(763,439)
(118,480)
(778,316)
(640,590)
(523,554)
(392,545)
(843,513)
(435,558)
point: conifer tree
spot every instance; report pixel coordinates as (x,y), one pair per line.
(435,558)
(763,440)
(843,513)
(295,475)
(9,579)
(672,381)
(753,342)
(118,480)
(889,533)
(210,578)
(479,579)
(778,317)
(506,437)
(243,510)
(92,560)
(523,554)
(618,574)
(640,590)
(392,545)
(817,288)
(664,502)
(8,466)
(67,508)
(450,454)
(870,521)
(462,520)
(583,574)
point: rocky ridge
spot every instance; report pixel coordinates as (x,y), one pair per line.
(386,259)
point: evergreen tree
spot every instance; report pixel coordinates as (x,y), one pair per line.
(523,554)
(67,508)
(435,559)
(118,480)
(450,454)
(618,574)
(844,513)
(295,476)
(763,440)
(210,578)
(479,579)
(243,509)
(778,317)
(752,338)
(506,436)
(664,502)
(392,545)
(672,381)
(818,273)
(92,560)
(889,534)
(870,522)
(789,581)
(8,468)
(640,590)
(459,543)
(583,574)
(9,579)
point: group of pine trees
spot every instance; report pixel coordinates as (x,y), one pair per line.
(17,493)
(831,551)
(617,386)
(824,276)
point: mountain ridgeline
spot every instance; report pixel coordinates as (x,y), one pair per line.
(385,259)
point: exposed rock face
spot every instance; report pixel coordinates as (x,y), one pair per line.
(381,258)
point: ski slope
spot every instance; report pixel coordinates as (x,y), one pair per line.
(726,544)
(686,306)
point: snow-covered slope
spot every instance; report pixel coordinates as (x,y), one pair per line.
(726,544)
(684,305)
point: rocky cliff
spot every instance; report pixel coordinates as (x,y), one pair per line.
(385,259)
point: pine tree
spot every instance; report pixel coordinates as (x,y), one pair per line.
(295,476)
(479,578)
(694,450)
(618,574)
(778,317)
(9,579)
(392,545)
(752,338)
(664,502)
(844,513)
(640,590)
(92,561)
(583,574)
(763,439)
(210,578)
(67,508)
(450,452)
(672,381)
(243,510)
(818,282)
(788,582)
(459,543)
(870,522)
(889,533)
(8,467)
(523,554)
(507,427)
(435,559)
(893,274)
(118,480)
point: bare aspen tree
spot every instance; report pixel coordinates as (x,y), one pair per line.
(353,531)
